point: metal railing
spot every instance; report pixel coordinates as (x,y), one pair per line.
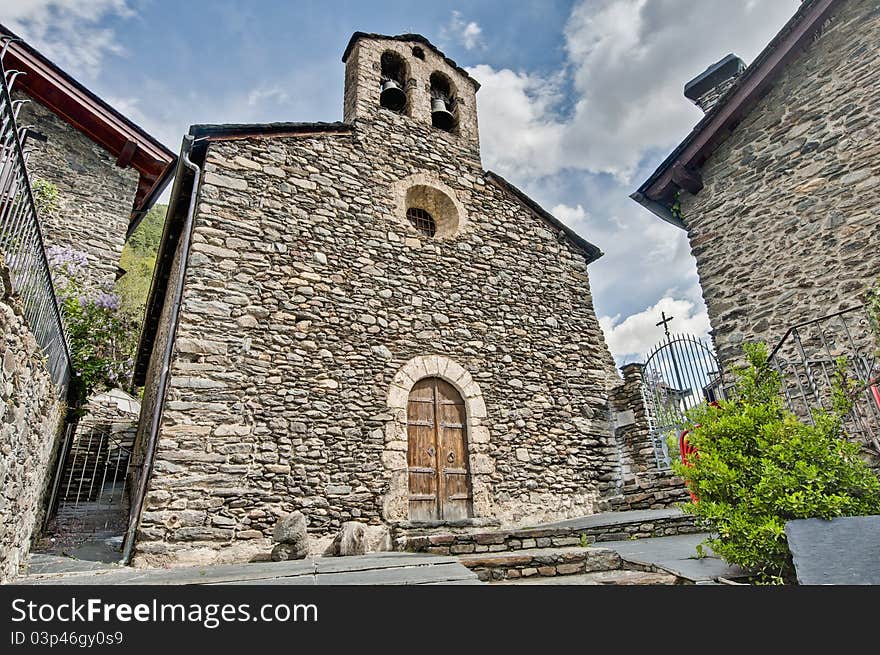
(21,239)
(807,359)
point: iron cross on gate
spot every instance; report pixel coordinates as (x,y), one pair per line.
(665,322)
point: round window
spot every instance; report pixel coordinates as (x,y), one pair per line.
(431,212)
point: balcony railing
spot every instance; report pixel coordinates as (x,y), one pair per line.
(807,358)
(21,240)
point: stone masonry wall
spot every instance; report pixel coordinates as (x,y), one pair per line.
(641,484)
(362,88)
(787,226)
(95,196)
(307,293)
(30,415)
(633,432)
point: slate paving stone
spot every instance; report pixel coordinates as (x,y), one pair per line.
(842,551)
(676,555)
(377,568)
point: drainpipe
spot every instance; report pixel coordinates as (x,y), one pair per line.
(155,419)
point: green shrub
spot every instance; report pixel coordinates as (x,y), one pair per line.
(45,197)
(873,305)
(759,466)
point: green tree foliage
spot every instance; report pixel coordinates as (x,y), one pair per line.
(138,260)
(759,466)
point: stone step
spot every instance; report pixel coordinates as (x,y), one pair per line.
(619,577)
(583,531)
(543,562)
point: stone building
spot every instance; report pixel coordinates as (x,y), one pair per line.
(108,171)
(778,186)
(357,321)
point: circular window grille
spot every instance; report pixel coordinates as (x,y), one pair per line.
(422,221)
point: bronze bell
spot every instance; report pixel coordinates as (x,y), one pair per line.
(392,96)
(440,116)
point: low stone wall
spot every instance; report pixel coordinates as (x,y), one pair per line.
(499,540)
(652,490)
(544,563)
(30,417)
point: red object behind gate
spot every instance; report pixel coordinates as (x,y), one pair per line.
(686,450)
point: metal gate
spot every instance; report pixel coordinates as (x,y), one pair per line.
(680,373)
(90,492)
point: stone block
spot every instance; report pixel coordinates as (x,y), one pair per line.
(291,529)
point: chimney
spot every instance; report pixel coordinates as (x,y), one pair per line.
(708,87)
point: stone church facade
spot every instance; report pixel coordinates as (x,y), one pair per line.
(778,187)
(356,321)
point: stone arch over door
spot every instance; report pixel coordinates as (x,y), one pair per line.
(394,457)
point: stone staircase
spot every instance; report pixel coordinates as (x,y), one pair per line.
(564,548)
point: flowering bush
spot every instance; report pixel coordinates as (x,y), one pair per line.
(102,339)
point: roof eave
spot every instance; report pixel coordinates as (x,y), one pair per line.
(690,155)
(83,110)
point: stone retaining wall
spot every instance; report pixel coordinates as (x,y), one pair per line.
(464,542)
(543,563)
(30,418)
(651,490)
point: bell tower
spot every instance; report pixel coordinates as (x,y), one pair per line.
(408,76)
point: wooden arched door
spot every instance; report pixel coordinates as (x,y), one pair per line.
(439,480)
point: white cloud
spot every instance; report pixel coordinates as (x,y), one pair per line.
(633,337)
(571,216)
(627,62)
(517,129)
(466,33)
(68,32)
(260,96)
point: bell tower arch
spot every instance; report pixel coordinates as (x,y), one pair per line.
(407,75)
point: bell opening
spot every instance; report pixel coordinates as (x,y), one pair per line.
(441,117)
(442,94)
(394,74)
(392,96)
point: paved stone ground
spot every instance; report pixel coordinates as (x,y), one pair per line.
(601,578)
(373,569)
(609,519)
(676,555)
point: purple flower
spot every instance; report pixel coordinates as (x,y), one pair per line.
(68,263)
(107,301)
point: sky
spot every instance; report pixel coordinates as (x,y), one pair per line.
(580,99)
